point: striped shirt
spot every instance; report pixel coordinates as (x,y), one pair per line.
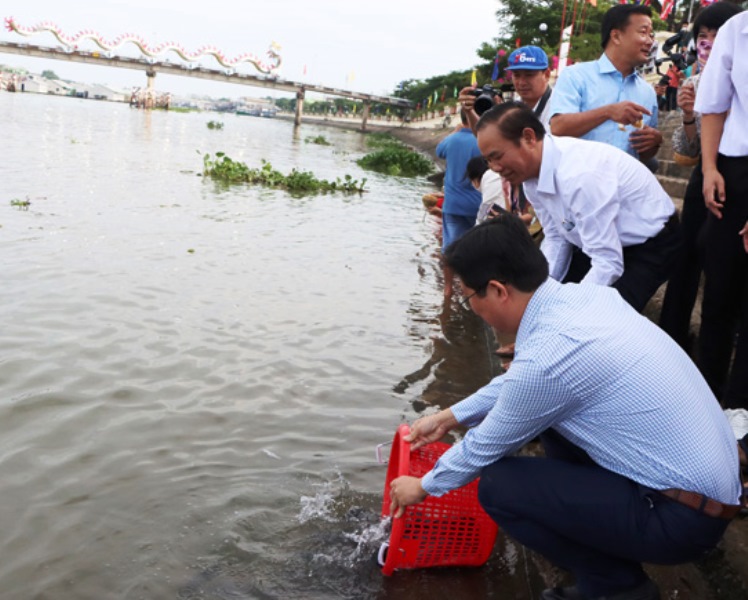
(611,382)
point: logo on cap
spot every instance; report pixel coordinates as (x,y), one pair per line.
(524,58)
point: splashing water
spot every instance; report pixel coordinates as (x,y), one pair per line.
(368,540)
(322,504)
(354,525)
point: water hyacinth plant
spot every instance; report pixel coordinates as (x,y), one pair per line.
(393,157)
(320,140)
(222,168)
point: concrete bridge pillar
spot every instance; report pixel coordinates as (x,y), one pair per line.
(299,107)
(150,93)
(365,114)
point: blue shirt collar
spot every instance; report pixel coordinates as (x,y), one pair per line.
(605,66)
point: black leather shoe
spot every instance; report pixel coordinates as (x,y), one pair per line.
(646,591)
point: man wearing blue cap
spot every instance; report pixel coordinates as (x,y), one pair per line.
(530,72)
(607,100)
(531,75)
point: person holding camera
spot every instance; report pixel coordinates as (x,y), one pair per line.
(607,100)
(530,76)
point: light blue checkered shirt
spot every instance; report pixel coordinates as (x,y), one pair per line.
(610,381)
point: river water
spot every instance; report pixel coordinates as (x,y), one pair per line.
(193,377)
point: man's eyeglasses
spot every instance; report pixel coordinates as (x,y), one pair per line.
(465,302)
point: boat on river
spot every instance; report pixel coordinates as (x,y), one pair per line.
(249,110)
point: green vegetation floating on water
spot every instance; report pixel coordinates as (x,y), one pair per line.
(183,109)
(319,139)
(20,203)
(382,140)
(215,125)
(393,157)
(223,168)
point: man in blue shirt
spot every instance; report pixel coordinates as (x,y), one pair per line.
(461,199)
(641,464)
(607,100)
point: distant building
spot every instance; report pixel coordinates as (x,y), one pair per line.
(35,84)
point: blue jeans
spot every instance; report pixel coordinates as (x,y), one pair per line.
(454,227)
(590,521)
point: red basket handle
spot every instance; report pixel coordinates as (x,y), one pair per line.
(400,449)
(403,449)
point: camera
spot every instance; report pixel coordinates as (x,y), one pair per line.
(681,61)
(485,98)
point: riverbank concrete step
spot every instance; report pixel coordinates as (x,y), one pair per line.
(670,168)
(674,186)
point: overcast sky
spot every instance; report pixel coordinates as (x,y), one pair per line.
(360,45)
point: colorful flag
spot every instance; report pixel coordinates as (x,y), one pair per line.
(455,92)
(495,72)
(667,8)
(429,103)
(444,93)
(593,2)
(436,96)
(474,78)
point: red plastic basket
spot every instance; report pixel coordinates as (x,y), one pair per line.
(452,530)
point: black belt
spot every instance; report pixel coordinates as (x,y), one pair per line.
(703,504)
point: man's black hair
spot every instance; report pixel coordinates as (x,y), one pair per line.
(512,118)
(501,250)
(475,168)
(618,18)
(714,16)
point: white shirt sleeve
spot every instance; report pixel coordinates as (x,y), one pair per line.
(556,249)
(715,92)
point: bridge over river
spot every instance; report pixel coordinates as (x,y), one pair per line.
(152,67)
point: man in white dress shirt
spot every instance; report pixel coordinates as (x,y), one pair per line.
(606,218)
(722,100)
